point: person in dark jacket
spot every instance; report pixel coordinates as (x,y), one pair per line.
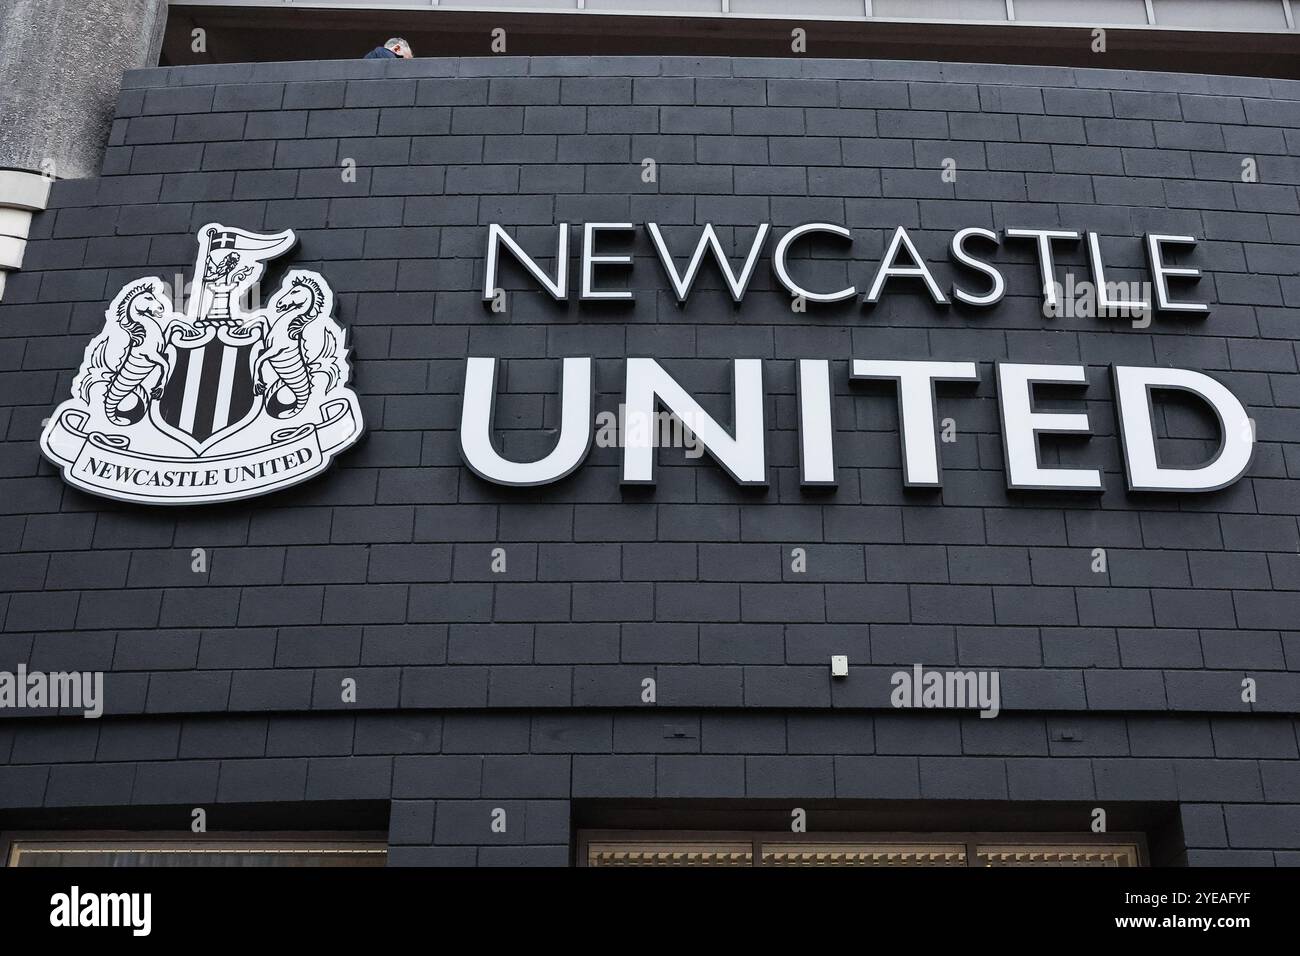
(396,48)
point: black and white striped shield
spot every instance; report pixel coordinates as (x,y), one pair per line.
(209,393)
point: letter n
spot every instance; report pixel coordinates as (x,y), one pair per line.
(742,455)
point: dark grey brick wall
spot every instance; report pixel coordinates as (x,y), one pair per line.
(522,691)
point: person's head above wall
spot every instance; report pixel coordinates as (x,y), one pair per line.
(400,47)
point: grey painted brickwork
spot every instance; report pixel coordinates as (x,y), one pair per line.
(522,690)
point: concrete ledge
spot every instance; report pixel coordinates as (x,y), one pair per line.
(15,223)
(11,252)
(23,190)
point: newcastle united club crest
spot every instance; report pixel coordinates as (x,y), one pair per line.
(216,404)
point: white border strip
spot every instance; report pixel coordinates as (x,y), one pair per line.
(22,195)
(383,6)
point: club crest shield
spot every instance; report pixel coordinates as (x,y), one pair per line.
(217,403)
(210,392)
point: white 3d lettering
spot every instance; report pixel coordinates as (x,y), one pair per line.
(740,448)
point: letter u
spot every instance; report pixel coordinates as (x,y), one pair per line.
(477,414)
